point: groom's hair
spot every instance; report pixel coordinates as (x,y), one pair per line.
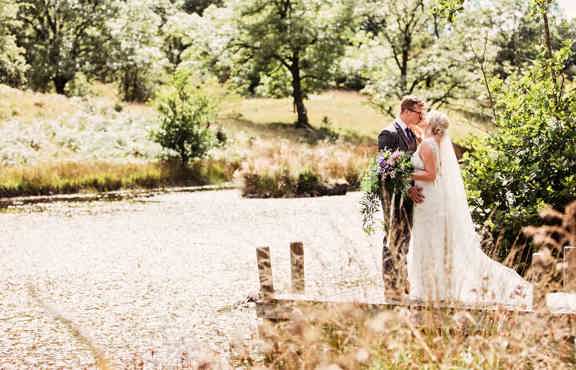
(410,102)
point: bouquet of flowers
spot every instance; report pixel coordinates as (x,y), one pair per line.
(389,170)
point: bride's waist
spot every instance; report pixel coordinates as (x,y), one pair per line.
(426,184)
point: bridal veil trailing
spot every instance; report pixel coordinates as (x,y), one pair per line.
(445,260)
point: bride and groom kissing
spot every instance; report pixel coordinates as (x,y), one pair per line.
(430,236)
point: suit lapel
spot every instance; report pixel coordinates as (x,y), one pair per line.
(402,135)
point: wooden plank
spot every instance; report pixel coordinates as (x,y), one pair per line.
(297,266)
(538,261)
(569,269)
(265,272)
(276,308)
(536,273)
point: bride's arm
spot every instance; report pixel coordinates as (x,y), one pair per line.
(429,171)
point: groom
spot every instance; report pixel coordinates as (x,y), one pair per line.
(400,135)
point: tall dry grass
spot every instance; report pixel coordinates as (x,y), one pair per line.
(285,169)
(73,177)
(428,336)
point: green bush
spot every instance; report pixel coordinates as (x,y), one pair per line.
(308,182)
(186,114)
(79,86)
(283,184)
(277,185)
(529,161)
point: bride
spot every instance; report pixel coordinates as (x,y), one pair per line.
(445,260)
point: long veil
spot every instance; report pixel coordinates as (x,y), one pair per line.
(474,277)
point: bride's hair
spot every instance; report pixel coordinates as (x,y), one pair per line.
(438,123)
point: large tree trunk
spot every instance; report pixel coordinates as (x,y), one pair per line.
(60,83)
(298,95)
(406,46)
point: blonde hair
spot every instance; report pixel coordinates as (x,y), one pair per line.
(438,123)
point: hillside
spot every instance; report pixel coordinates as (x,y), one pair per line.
(54,144)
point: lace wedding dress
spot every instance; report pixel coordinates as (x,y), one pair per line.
(445,260)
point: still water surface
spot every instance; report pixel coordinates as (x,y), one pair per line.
(154,277)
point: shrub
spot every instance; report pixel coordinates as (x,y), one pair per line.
(284,169)
(79,86)
(283,184)
(326,132)
(186,114)
(308,182)
(529,161)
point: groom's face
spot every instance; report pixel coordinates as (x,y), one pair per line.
(414,115)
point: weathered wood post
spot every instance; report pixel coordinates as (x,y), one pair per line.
(569,281)
(297,264)
(569,278)
(536,275)
(265,272)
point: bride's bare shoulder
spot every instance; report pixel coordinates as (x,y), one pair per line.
(430,142)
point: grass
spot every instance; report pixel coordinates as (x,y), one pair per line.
(347,111)
(285,169)
(340,337)
(28,106)
(346,337)
(272,157)
(74,177)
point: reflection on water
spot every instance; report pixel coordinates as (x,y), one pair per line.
(82,282)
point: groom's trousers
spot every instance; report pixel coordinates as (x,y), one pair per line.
(397,225)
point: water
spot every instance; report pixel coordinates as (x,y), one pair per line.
(152,278)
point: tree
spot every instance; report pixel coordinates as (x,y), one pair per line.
(410,50)
(447,8)
(186,113)
(520,32)
(12,63)
(198,6)
(136,57)
(529,161)
(62,38)
(177,32)
(301,40)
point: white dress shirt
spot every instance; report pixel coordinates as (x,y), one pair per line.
(401,123)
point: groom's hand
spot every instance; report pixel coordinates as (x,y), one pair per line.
(415,193)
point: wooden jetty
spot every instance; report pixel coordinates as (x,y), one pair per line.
(274,305)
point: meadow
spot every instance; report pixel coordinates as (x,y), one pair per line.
(51,144)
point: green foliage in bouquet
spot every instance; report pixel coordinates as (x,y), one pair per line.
(529,161)
(389,171)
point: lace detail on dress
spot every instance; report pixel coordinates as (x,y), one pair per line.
(417,161)
(427,254)
(445,260)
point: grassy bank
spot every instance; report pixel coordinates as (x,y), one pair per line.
(75,177)
(51,144)
(350,112)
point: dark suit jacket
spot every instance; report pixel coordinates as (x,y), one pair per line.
(394,138)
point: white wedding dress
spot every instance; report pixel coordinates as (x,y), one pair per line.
(445,260)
